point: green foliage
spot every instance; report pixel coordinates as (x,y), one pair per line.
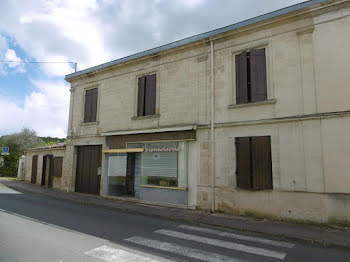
(18,142)
(52,140)
(10,167)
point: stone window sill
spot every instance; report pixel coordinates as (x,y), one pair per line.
(145,117)
(260,103)
(89,123)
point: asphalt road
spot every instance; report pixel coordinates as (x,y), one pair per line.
(39,228)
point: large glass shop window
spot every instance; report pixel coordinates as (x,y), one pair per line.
(162,163)
(117,174)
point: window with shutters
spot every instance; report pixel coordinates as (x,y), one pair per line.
(90,109)
(251,85)
(253,162)
(146,100)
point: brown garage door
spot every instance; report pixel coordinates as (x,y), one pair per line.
(87,177)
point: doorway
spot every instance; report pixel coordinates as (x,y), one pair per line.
(47,171)
(88,172)
(34,169)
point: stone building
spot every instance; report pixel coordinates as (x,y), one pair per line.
(250,119)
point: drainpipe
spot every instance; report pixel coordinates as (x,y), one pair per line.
(212,166)
(72,133)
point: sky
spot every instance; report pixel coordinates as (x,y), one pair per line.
(90,32)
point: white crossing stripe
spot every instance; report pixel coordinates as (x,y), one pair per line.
(236,236)
(109,254)
(181,250)
(224,244)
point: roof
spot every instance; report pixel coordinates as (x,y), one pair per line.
(54,146)
(198,37)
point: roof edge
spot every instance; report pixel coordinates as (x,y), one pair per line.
(197,37)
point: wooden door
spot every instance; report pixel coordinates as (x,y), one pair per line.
(43,173)
(34,169)
(88,163)
(51,170)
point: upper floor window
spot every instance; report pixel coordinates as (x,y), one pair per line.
(146,100)
(253,162)
(90,111)
(251,76)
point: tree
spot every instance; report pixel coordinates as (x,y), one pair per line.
(18,142)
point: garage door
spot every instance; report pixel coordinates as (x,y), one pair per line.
(88,163)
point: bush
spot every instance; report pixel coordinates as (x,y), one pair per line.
(10,166)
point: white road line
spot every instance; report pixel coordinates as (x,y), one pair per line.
(236,236)
(224,244)
(109,254)
(181,250)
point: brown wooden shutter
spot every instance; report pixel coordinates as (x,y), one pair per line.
(150,96)
(88,101)
(241,78)
(57,164)
(243,162)
(258,75)
(261,162)
(141,96)
(94,105)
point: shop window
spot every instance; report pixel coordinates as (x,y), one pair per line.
(162,164)
(251,83)
(253,163)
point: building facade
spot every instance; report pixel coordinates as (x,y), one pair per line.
(250,119)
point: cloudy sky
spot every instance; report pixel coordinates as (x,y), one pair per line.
(90,32)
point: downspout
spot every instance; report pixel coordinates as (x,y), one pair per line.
(212,166)
(72,133)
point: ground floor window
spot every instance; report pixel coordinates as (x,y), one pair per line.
(253,162)
(161,164)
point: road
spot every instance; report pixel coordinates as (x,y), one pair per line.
(39,228)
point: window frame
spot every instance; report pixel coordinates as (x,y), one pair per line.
(251,184)
(136,92)
(97,106)
(232,103)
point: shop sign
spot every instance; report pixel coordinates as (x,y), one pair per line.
(162,149)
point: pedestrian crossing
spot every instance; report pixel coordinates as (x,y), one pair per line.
(176,242)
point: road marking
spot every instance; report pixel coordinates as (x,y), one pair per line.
(224,244)
(236,236)
(110,254)
(181,250)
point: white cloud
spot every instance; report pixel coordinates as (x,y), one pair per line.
(45,110)
(10,55)
(91,32)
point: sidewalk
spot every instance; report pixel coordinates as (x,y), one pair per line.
(309,233)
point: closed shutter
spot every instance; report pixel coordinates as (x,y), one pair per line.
(261,162)
(243,162)
(94,105)
(241,78)
(141,96)
(150,96)
(88,101)
(58,166)
(159,164)
(258,75)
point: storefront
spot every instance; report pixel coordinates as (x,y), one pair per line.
(155,171)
